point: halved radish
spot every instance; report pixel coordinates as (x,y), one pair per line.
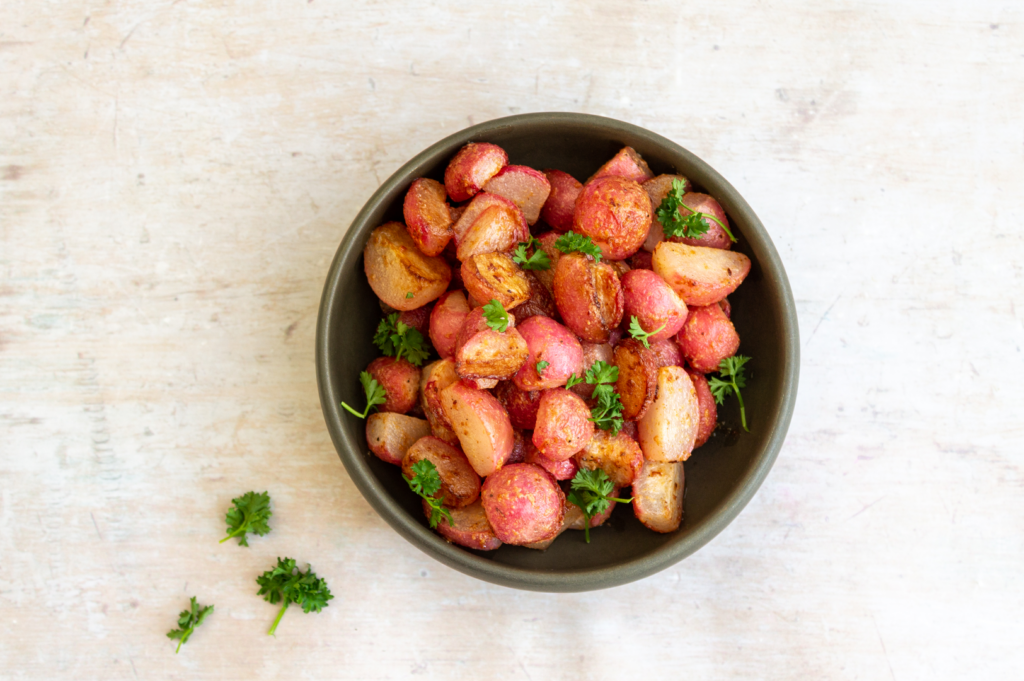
(669,428)
(481,424)
(525,187)
(700,275)
(471,168)
(658,496)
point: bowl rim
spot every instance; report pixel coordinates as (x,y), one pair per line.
(350,448)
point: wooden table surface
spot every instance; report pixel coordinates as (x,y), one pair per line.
(176,176)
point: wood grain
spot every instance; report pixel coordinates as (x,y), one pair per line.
(175,177)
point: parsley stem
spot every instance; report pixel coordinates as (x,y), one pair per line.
(709,215)
(586,527)
(182,640)
(243,528)
(353,411)
(280,614)
(743,412)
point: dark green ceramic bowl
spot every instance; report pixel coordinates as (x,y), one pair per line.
(721,476)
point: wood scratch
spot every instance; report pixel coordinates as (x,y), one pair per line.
(866,507)
(884,651)
(121,46)
(822,319)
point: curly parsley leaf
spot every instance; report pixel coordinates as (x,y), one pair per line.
(496,316)
(287,584)
(571,241)
(188,620)
(541,366)
(591,490)
(250,513)
(693,224)
(426,482)
(731,370)
(409,295)
(637,331)
(573,380)
(375,394)
(607,412)
(539,260)
(395,339)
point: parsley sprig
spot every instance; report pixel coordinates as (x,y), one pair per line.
(395,338)
(426,482)
(375,394)
(286,583)
(591,490)
(538,261)
(541,366)
(250,513)
(496,316)
(571,241)
(637,331)
(188,620)
(731,369)
(688,226)
(607,413)
(573,380)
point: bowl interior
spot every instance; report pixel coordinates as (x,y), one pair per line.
(721,476)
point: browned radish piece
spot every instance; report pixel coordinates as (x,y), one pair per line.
(576,520)
(657,189)
(592,353)
(563,424)
(395,268)
(519,445)
(547,244)
(615,213)
(495,276)
(436,377)
(470,527)
(525,187)
(667,353)
(619,266)
(481,424)
(540,303)
(523,503)
(561,203)
(400,378)
(553,345)
(715,237)
(653,302)
(482,352)
(473,210)
(638,378)
(658,496)
(618,455)
(427,216)
(588,296)
(705,405)
(481,383)
(726,307)
(700,275)
(419,318)
(497,228)
(641,260)
(521,405)
(669,428)
(389,435)
(460,485)
(446,321)
(707,338)
(560,470)
(471,168)
(628,164)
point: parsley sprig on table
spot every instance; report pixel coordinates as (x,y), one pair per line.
(375,394)
(592,492)
(496,316)
(688,226)
(426,482)
(607,413)
(250,513)
(286,583)
(571,241)
(731,369)
(637,331)
(395,339)
(188,620)
(538,261)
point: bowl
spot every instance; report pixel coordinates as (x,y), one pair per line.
(721,476)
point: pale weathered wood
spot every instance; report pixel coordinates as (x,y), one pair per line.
(175,177)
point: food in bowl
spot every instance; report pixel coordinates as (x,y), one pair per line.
(572,355)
